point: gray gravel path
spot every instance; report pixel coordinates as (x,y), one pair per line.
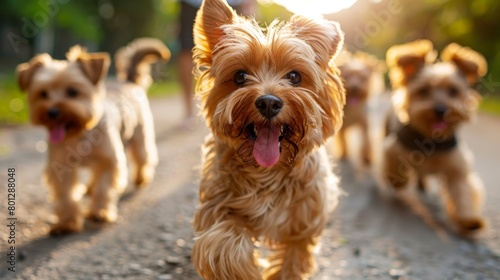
(368,237)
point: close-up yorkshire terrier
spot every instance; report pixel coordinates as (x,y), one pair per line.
(432,100)
(271,99)
(359,73)
(91,122)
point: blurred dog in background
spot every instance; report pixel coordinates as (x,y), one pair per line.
(90,124)
(431,100)
(361,73)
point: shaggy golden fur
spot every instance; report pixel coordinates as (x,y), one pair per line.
(359,72)
(431,100)
(271,100)
(90,123)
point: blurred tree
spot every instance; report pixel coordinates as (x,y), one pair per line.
(32,26)
(271,11)
(35,25)
(375,25)
(122,21)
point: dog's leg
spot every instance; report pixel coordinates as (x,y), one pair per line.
(464,197)
(225,250)
(342,144)
(111,174)
(395,171)
(92,184)
(293,256)
(144,154)
(105,195)
(366,152)
(294,261)
(422,184)
(63,181)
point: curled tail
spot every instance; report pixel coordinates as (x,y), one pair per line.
(133,62)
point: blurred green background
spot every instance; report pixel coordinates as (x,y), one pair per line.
(29,27)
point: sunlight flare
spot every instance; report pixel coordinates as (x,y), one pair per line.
(313,8)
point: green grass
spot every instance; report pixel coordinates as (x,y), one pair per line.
(164,88)
(14,107)
(491,105)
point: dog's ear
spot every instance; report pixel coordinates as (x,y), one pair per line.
(25,71)
(399,100)
(210,17)
(471,63)
(93,65)
(325,37)
(406,60)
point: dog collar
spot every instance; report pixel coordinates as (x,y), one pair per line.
(415,141)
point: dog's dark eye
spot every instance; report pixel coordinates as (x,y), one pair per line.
(453,92)
(71,92)
(294,78)
(44,94)
(240,78)
(424,92)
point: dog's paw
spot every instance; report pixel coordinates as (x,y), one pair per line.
(104,215)
(144,177)
(470,225)
(367,160)
(67,227)
(141,182)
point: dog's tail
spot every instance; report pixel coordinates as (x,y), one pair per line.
(133,62)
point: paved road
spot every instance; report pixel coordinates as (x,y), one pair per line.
(368,237)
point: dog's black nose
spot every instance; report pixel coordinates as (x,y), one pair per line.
(354,90)
(53,113)
(440,110)
(268,105)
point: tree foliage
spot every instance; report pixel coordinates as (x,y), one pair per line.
(370,25)
(374,26)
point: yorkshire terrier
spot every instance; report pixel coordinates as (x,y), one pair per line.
(91,123)
(431,100)
(359,72)
(271,99)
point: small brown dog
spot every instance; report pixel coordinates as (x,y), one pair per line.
(431,100)
(359,72)
(90,123)
(271,101)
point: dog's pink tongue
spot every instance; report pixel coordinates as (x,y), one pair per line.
(440,125)
(353,101)
(57,134)
(266,149)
